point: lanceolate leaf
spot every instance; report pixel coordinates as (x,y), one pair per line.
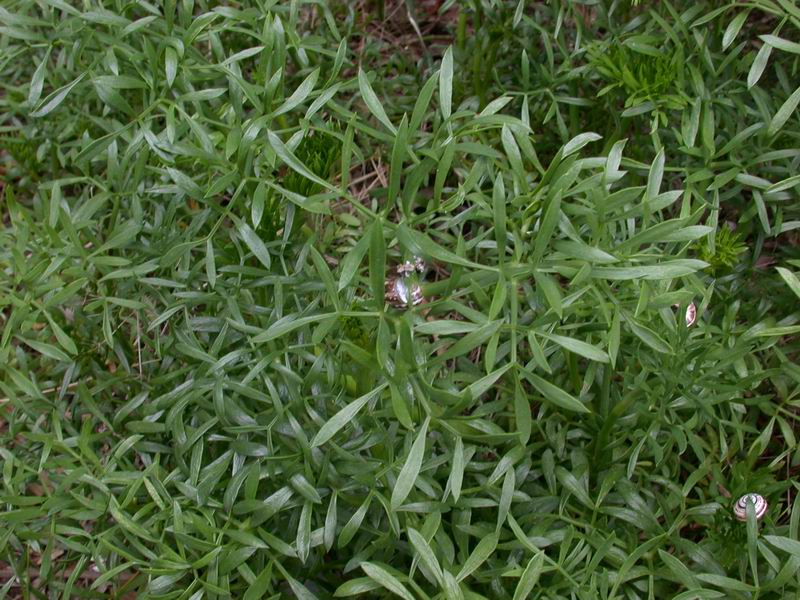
(410,471)
(791,280)
(579,347)
(446,83)
(786,110)
(425,552)
(554,394)
(51,102)
(386,579)
(344,417)
(482,551)
(372,101)
(299,95)
(255,244)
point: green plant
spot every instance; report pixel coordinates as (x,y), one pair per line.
(725,250)
(205,393)
(641,72)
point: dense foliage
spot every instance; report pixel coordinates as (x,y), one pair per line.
(206,393)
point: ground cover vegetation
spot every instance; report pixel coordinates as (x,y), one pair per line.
(205,393)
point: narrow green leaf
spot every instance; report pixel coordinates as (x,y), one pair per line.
(733,28)
(650,337)
(783,543)
(578,142)
(791,280)
(530,577)
(666,270)
(354,587)
(726,583)
(37,81)
(344,416)
(325,275)
(581,251)
(373,104)
(456,469)
(681,571)
(398,155)
(55,204)
(331,518)
(185,183)
(288,324)
(351,262)
(569,481)
(62,338)
(127,523)
(499,213)
(422,103)
(354,524)
(555,394)
(303,539)
(377,262)
(303,487)
(46,349)
(780,43)
(258,588)
(655,175)
(446,83)
(259,201)
(410,471)
(23,383)
(386,579)
(255,244)
(299,590)
(170,65)
(470,341)
(547,225)
(506,496)
(522,414)
(445,327)
(578,347)
(551,291)
(425,552)
(514,157)
(419,243)
(243,54)
(484,384)
(786,110)
(758,66)
(784,184)
(482,551)
(614,338)
(322,100)
(299,95)
(53,100)
(452,590)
